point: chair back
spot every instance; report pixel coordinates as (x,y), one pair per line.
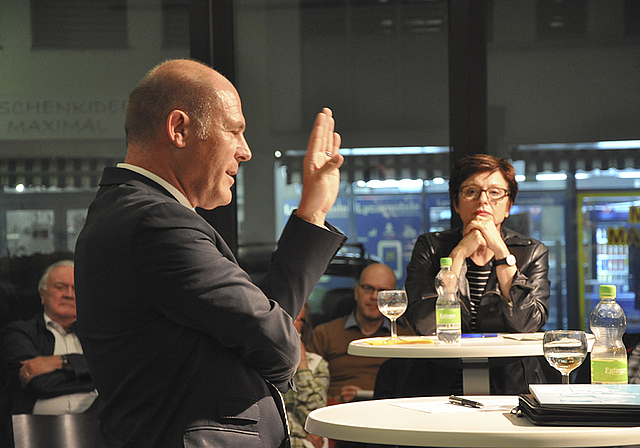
(56,431)
(336,303)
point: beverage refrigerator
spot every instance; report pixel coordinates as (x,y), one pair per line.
(609,250)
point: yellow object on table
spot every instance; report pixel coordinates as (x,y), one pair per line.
(402,340)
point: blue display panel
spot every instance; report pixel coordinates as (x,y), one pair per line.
(388,225)
(339,215)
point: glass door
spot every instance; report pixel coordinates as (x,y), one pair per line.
(609,253)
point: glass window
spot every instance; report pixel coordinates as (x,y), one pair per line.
(67,69)
(609,227)
(563,95)
(562,100)
(62,103)
(175,20)
(78,24)
(29,232)
(561,20)
(382,68)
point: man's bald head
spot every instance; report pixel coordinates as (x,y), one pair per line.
(179,84)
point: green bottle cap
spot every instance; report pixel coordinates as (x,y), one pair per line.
(446,261)
(608,291)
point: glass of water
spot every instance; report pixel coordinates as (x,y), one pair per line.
(565,350)
(392,304)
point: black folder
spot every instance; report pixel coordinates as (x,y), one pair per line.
(576,414)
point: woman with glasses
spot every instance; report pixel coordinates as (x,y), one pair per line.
(502,275)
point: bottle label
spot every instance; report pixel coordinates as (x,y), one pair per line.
(448,316)
(609,371)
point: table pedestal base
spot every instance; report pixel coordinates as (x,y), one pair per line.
(475,376)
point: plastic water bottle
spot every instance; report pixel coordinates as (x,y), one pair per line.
(448,318)
(608,355)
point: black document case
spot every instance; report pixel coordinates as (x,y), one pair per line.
(577,414)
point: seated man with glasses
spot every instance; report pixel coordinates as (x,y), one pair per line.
(330,340)
(43,355)
(503,280)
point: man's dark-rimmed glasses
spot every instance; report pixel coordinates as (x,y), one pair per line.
(370,289)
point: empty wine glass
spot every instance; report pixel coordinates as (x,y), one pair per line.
(392,304)
(565,350)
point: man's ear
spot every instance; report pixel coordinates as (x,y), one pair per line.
(178,128)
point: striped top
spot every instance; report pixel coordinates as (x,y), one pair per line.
(477,276)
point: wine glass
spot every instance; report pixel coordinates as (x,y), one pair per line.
(565,350)
(392,303)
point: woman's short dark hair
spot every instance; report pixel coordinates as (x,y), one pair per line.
(481,163)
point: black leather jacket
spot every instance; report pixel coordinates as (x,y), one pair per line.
(527,312)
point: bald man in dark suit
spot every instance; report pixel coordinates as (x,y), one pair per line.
(184,349)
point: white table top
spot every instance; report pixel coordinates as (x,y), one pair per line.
(404,421)
(516,344)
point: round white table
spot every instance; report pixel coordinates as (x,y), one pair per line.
(474,352)
(405,421)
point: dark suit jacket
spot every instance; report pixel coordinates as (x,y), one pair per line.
(27,339)
(183,348)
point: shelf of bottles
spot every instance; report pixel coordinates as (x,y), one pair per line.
(612,262)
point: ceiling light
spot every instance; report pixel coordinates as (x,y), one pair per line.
(551,176)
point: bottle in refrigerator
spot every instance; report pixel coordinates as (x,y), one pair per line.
(608,355)
(448,317)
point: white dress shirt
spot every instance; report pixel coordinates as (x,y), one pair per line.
(159,180)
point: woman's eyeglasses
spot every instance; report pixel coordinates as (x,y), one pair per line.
(471,193)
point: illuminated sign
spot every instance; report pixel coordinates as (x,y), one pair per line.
(59,118)
(622,235)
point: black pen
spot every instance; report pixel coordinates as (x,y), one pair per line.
(464,402)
